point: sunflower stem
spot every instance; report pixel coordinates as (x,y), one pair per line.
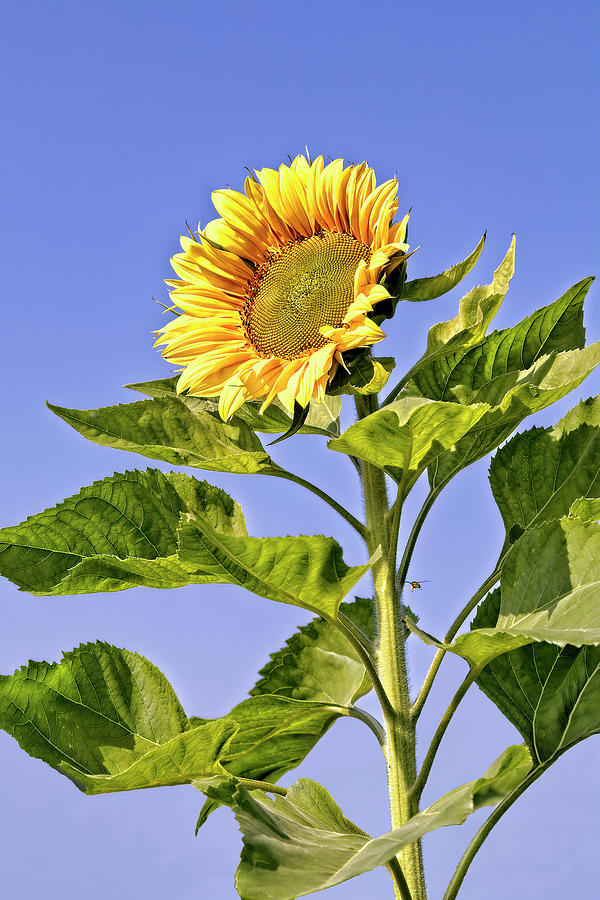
(382,532)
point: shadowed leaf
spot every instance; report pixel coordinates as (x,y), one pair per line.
(367,375)
(302,843)
(551,694)
(319,663)
(538,474)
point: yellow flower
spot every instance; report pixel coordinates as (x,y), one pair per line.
(283,283)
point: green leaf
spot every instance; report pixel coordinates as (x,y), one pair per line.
(585,508)
(477,647)
(551,584)
(306,571)
(113,534)
(436,285)
(110,721)
(274,734)
(323,418)
(157,530)
(538,474)
(447,339)
(465,373)
(166,428)
(298,419)
(517,395)
(160,387)
(366,375)
(550,588)
(302,843)
(319,663)
(408,435)
(550,694)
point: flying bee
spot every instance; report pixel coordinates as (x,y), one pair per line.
(416,585)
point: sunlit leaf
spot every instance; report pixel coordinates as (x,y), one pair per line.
(585,508)
(454,337)
(434,286)
(108,720)
(551,584)
(463,374)
(550,591)
(302,843)
(517,395)
(166,428)
(306,571)
(130,517)
(408,435)
(323,418)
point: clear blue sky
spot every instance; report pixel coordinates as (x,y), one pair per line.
(119,119)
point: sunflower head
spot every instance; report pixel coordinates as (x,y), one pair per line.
(284,283)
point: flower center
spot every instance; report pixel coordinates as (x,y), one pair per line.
(299,288)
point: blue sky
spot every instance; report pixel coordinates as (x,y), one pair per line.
(119,119)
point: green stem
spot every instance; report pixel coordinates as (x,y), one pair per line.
(359,642)
(503,806)
(391,663)
(401,384)
(421,780)
(355,712)
(252,785)
(279,472)
(414,534)
(437,659)
(400,885)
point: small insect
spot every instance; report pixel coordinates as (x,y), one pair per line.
(416,585)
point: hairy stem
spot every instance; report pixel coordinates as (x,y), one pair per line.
(421,780)
(252,785)
(391,663)
(437,659)
(374,724)
(414,534)
(359,642)
(496,815)
(400,885)
(279,472)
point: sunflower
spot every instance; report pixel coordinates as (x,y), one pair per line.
(278,288)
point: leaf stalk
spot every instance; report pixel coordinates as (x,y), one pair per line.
(479,594)
(280,472)
(492,819)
